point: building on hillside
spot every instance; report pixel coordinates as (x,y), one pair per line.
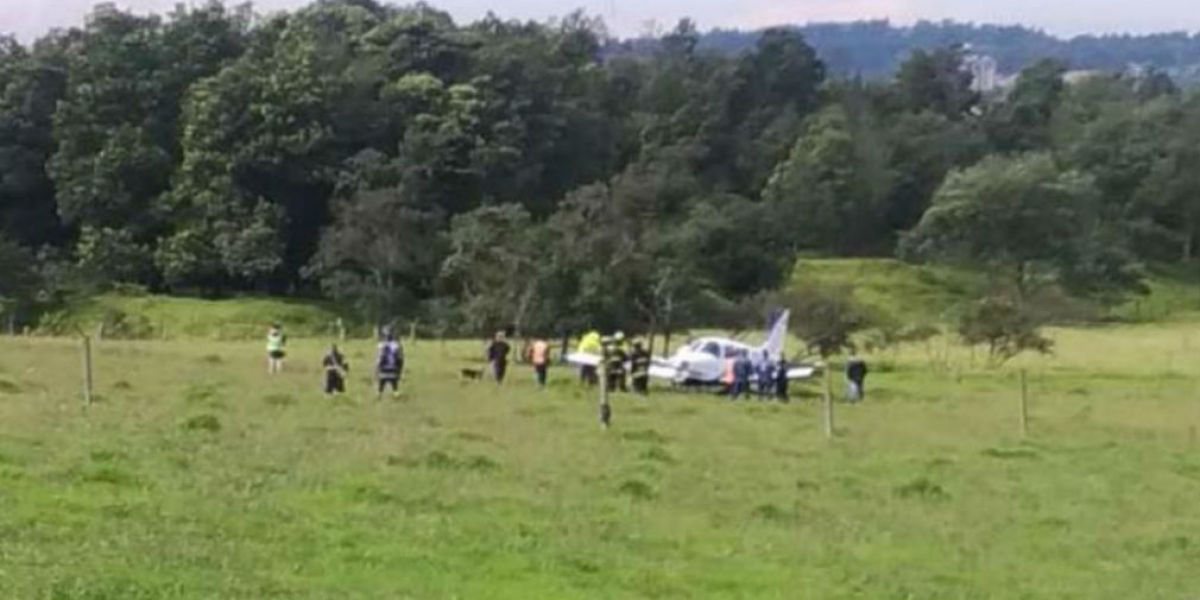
(985,76)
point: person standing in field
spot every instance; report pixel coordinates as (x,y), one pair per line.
(766,377)
(742,368)
(614,364)
(539,357)
(336,368)
(276,341)
(590,343)
(856,379)
(497,356)
(639,368)
(781,380)
(390,364)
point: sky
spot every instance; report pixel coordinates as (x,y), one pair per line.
(30,18)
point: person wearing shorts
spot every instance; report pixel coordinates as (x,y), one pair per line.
(276,341)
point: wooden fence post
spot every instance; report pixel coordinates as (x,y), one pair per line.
(605,407)
(827,402)
(87,370)
(1024,404)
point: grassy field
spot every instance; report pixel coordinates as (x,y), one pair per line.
(198,476)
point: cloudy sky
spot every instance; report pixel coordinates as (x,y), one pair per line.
(29,18)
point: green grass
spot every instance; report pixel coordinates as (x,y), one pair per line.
(931,294)
(919,293)
(1174,294)
(198,476)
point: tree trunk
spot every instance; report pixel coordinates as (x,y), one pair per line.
(666,343)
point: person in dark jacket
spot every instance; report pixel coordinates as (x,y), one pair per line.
(389,365)
(781,380)
(336,368)
(639,368)
(856,378)
(497,356)
(742,368)
(616,365)
(766,377)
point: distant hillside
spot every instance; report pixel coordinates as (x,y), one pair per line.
(930,294)
(874,49)
(153,317)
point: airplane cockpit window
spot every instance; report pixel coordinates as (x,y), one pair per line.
(712,348)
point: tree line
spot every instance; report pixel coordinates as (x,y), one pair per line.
(876,49)
(540,174)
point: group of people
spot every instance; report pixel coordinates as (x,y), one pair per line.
(623,366)
(770,378)
(536,354)
(389,362)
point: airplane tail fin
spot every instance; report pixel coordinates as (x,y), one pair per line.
(776,333)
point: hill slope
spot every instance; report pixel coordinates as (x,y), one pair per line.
(928,294)
(150,316)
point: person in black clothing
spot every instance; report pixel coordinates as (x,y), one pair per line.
(639,368)
(856,377)
(613,357)
(781,380)
(616,369)
(336,368)
(497,355)
(742,368)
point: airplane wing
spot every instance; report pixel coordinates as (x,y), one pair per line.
(584,359)
(805,372)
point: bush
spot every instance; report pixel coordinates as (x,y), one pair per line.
(825,316)
(1005,327)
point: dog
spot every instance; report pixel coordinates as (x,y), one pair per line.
(470,374)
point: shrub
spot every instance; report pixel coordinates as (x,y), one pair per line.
(1005,327)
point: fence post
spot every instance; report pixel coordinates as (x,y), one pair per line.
(87,370)
(827,402)
(605,407)
(1024,405)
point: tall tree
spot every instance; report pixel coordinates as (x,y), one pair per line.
(1024,219)
(381,254)
(1021,122)
(31,85)
(937,81)
(832,190)
(1168,200)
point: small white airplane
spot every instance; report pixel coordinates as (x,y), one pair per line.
(703,360)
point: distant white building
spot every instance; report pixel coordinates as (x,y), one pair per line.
(985,75)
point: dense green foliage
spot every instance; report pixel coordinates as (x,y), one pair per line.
(547,176)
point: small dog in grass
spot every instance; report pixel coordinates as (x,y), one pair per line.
(470,374)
